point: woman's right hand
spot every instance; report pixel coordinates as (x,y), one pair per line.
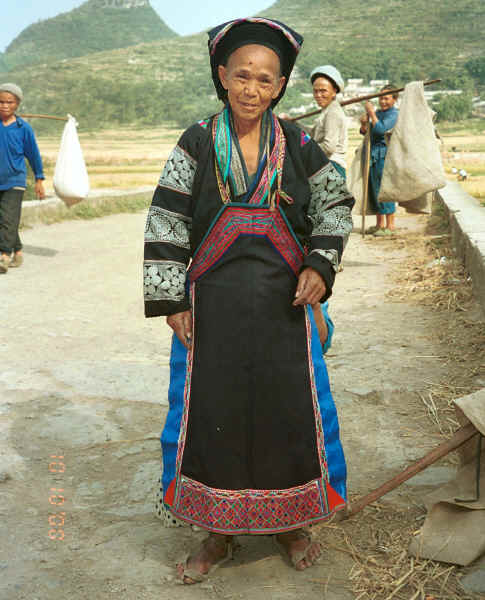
(181,323)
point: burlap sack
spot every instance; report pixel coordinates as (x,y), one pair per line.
(355,180)
(454,531)
(413,164)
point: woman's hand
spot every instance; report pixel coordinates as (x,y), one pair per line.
(371,112)
(310,288)
(181,323)
(39,189)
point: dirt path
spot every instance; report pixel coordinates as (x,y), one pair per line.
(84,376)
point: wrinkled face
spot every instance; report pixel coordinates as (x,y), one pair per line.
(8,105)
(323,92)
(385,102)
(252,80)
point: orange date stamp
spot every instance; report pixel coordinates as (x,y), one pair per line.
(57,498)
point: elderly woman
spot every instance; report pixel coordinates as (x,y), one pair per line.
(251,442)
(330,127)
(17,143)
(381,122)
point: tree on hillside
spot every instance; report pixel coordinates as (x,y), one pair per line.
(453,108)
(476,68)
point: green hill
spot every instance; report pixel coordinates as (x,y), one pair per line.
(95,26)
(169,81)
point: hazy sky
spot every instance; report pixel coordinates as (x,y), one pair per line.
(183,16)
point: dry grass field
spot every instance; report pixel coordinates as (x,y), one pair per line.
(117,159)
(129,158)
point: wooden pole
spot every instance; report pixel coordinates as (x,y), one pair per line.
(360,99)
(365,174)
(460,436)
(43,117)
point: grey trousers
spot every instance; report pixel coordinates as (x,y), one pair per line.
(10,210)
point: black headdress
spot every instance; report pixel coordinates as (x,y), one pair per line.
(228,37)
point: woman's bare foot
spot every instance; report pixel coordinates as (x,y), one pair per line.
(302,552)
(213,550)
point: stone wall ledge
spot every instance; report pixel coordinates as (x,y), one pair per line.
(467,225)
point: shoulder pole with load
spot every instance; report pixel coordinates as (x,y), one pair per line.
(360,99)
(25,116)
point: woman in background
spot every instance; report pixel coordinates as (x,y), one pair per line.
(382,122)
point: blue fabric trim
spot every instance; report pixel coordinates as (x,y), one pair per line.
(337,469)
(330,327)
(171,431)
(340,169)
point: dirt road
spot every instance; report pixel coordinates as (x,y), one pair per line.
(84,376)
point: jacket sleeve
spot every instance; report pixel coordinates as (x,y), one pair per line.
(167,233)
(330,215)
(31,151)
(386,121)
(329,135)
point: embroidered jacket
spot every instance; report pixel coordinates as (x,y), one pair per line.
(203,171)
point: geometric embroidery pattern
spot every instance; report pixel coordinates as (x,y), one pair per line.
(178,172)
(234,222)
(253,511)
(328,188)
(164,280)
(169,227)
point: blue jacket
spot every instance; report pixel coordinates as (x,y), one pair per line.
(17,143)
(386,121)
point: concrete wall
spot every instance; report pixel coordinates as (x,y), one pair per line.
(467,223)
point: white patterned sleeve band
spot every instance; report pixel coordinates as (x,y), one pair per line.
(330,206)
(164,280)
(178,172)
(167,227)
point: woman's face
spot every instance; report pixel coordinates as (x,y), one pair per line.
(252,80)
(323,92)
(8,105)
(387,101)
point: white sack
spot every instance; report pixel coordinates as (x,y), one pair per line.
(413,164)
(71,181)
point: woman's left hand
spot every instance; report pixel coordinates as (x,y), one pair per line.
(310,289)
(39,189)
(369,108)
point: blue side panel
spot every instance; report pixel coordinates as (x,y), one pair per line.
(337,469)
(330,327)
(170,433)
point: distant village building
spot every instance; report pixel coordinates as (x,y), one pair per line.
(378,83)
(122,3)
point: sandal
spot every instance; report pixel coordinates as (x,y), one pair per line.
(198,577)
(16,261)
(383,233)
(300,555)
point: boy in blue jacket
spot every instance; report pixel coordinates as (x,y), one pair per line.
(17,143)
